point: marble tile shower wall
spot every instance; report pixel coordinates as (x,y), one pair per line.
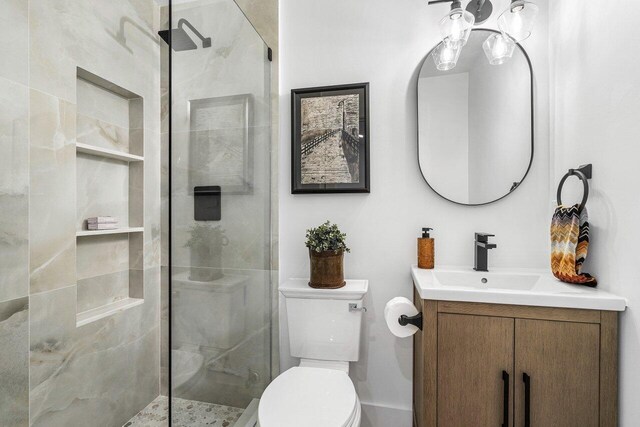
(52,372)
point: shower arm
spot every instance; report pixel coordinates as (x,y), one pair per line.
(206,41)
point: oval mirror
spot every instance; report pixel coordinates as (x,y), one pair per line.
(475,124)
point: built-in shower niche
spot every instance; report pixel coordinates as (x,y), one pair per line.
(110,182)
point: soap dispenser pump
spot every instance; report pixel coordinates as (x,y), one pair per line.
(426,250)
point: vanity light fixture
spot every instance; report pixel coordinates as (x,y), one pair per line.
(455,28)
(456,25)
(446,54)
(518,19)
(498,48)
(515,23)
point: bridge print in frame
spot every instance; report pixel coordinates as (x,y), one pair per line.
(330,139)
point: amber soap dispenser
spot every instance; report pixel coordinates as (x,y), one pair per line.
(426,249)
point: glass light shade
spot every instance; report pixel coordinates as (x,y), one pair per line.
(518,19)
(498,48)
(456,26)
(446,55)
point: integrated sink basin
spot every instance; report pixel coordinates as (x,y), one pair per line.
(510,286)
(484,280)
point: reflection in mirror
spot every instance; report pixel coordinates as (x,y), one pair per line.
(475,124)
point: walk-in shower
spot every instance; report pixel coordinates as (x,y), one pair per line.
(118,304)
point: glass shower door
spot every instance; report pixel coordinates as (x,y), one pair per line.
(220,341)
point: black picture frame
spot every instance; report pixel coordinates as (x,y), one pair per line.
(330,114)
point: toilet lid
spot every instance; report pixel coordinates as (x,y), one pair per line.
(315,397)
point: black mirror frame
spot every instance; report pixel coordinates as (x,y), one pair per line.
(516,185)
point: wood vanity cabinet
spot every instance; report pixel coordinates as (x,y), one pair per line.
(514,366)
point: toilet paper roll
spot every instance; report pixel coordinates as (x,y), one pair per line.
(392,312)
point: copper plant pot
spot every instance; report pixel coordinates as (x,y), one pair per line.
(327,269)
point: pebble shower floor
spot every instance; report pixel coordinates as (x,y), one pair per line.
(185,413)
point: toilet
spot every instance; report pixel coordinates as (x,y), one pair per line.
(324,332)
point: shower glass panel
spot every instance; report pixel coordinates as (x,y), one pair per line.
(220,296)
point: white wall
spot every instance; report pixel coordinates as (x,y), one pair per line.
(384,42)
(595,77)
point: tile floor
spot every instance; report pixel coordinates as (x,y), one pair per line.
(185,413)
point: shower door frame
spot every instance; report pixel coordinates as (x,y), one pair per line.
(170,215)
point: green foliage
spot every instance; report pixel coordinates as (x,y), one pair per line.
(326,237)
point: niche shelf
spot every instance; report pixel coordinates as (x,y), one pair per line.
(105,152)
(107,310)
(109,182)
(88,233)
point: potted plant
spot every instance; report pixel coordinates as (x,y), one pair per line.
(205,247)
(327,246)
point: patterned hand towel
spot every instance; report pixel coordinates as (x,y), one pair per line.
(569,244)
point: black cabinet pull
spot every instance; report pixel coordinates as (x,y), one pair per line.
(505,408)
(527,399)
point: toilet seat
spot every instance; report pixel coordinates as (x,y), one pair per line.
(313,397)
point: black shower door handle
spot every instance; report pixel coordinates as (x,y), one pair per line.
(527,399)
(505,408)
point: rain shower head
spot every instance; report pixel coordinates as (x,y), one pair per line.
(179,40)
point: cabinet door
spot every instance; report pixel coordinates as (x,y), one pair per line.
(561,360)
(473,352)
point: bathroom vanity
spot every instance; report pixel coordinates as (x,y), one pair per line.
(513,348)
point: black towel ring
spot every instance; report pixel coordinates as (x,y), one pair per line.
(584,173)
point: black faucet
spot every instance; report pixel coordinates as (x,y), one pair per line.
(481,249)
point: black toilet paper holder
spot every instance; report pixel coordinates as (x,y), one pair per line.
(416,320)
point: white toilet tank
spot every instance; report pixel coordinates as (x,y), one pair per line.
(321,325)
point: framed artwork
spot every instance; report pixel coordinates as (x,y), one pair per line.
(330,139)
(220,148)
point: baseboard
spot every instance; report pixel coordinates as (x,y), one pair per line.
(385,416)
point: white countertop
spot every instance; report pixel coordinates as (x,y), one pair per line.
(538,288)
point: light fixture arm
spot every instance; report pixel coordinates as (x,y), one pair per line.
(481,9)
(206,41)
(454,3)
(480,3)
